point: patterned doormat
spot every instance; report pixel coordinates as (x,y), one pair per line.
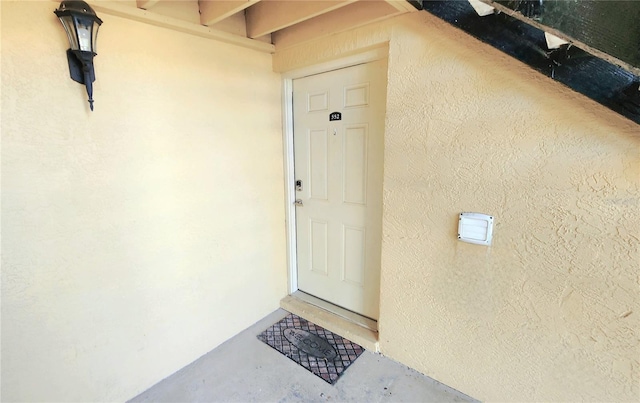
(318,350)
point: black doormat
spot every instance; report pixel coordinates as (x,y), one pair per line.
(318,350)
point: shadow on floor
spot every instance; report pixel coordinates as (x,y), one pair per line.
(243,369)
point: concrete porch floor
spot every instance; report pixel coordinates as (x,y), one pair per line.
(244,369)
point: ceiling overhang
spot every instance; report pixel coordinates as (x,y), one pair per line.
(258,24)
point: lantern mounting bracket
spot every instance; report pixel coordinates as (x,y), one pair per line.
(81,70)
(76,69)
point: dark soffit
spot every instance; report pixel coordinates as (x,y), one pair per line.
(607,83)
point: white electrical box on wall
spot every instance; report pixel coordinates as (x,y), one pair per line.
(475,228)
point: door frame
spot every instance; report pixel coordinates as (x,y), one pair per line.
(366,56)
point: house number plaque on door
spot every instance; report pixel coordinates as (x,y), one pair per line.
(335,116)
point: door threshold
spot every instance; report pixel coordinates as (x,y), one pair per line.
(336,310)
(340,321)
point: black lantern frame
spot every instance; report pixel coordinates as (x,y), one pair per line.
(81,24)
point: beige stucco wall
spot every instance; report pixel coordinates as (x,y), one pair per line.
(550,311)
(140,236)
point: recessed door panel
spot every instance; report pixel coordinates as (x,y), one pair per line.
(356,95)
(318,101)
(354,255)
(318,243)
(355,164)
(318,160)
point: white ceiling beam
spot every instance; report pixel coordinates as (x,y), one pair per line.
(124,10)
(269,16)
(402,5)
(146,4)
(349,17)
(483,9)
(213,11)
(554,42)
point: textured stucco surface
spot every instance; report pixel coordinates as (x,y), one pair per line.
(550,311)
(140,236)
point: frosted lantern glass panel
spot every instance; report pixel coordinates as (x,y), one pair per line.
(84,35)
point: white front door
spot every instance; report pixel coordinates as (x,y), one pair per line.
(338,146)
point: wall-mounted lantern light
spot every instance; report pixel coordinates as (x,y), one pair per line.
(81,24)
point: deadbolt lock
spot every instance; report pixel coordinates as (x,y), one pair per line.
(298,185)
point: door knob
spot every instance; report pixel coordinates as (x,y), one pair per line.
(298,202)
